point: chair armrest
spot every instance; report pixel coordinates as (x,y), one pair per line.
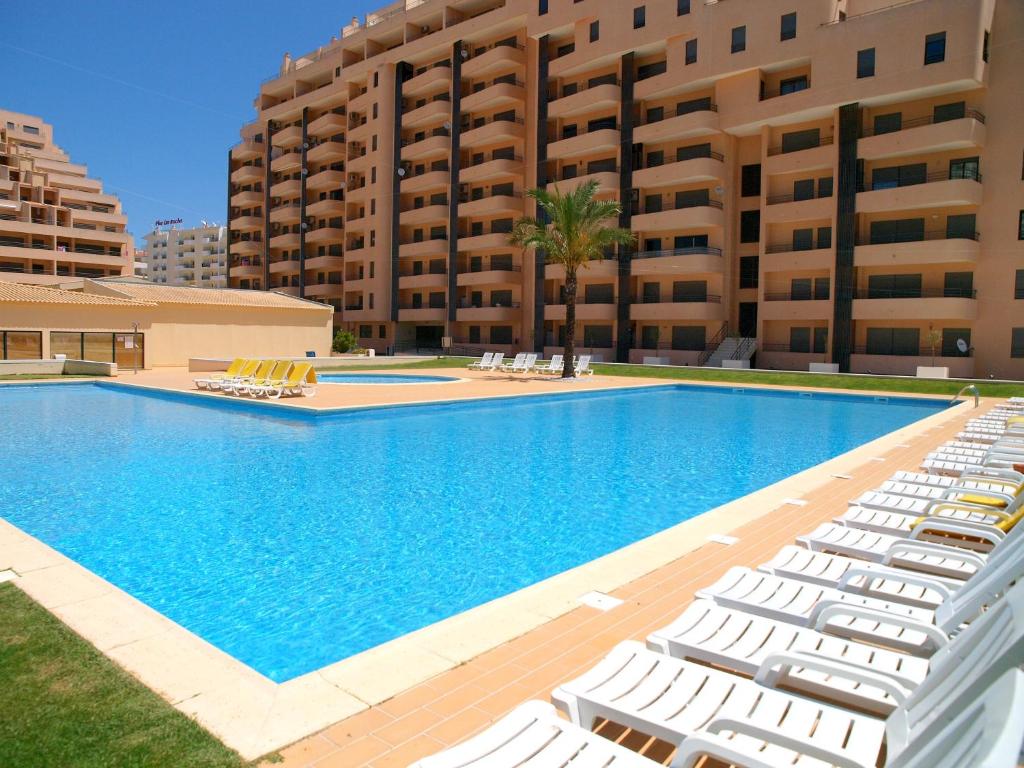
(983,531)
(895,574)
(785,660)
(772,736)
(965,506)
(931,548)
(829,609)
(695,748)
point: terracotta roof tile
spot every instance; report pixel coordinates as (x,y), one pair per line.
(38,294)
(175,294)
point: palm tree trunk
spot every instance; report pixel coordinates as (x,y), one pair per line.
(568,369)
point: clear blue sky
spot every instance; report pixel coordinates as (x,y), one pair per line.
(150,95)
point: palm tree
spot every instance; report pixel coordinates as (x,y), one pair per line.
(578,232)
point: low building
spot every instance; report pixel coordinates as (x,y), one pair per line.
(138,324)
(194,256)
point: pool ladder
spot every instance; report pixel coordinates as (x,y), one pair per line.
(969,388)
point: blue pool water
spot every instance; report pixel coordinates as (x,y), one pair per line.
(382,378)
(291,543)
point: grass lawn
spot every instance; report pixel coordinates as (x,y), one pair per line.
(782,378)
(63,703)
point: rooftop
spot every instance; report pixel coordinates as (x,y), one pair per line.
(139,290)
(37,294)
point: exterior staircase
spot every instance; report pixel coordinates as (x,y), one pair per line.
(732,348)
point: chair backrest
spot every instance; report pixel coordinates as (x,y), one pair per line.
(281,368)
(556,361)
(498,357)
(985,732)
(1004,566)
(264,368)
(520,359)
(983,652)
(249,367)
(486,359)
(583,363)
(299,374)
(235,367)
(531,360)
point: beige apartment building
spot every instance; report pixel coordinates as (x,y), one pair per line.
(55,222)
(195,256)
(810,181)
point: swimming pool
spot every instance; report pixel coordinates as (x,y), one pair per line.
(382,378)
(294,542)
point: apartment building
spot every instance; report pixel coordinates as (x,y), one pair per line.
(195,256)
(55,222)
(833,181)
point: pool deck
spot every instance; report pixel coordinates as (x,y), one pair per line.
(434,687)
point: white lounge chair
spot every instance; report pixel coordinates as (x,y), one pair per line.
(875,546)
(554,365)
(516,364)
(527,364)
(483,363)
(583,366)
(495,363)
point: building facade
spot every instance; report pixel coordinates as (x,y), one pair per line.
(196,256)
(837,181)
(55,222)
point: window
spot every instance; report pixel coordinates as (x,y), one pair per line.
(750,180)
(798,140)
(803,189)
(820,340)
(894,341)
(691,51)
(595,31)
(750,226)
(689,291)
(799,339)
(649,337)
(1018,286)
(374,110)
(28,345)
(961,226)
(655,114)
(958,285)
(825,186)
(654,159)
(984,46)
(794,84)
(888,123)
(693,338)
(690,241)
(896,231)
(824,237)
(787,27)
(695,105)
(501,334)
(693,151)
(682,7)
(894,286)
(800,289)
(866,63)
(935,48)
(1017,342)
(365,331)
(739,39)
(376,79)
(542,9)
(964,168)
(645,71)
(652,293)
(639,17)
(951,338)
(598,293)
(944,112)
(1020,226)
(748,271)
(597,336)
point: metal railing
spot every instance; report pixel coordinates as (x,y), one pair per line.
(969,388)
(789,296)
(698,250)
(897,293)
(776,92)
(703,108)
(712,345)
(709,298)
(916,122)
(823,141)
(932,234)
(696,156)
(917,352)
(792,198)
(931,178)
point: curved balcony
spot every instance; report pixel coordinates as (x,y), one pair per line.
(248,150)
(327,125)
(498,58)
(679,310)
(287,137)
(425,182)
(326,180)
(491,277)
(358,163)
(607,311)
(328,207)
(285,240)
(428,214)
(923,136)
(494,96)
(325,291)
(681,172)
(698,216)
(246,223)
(922,308)
(489,241)
(584,144)
(248,174)
(423,249)
(426,280)
(286,163)
(489,314)
(492,206)
(492,133)
(431,113)
(937,192)
(246,270)
(673,261)
(247,248)
(700,123)
(784,208)
(491,170)
(409,314)
(783,257)
(247,199)
(284,267)
(325,235)
(431,81)
(286,189)
(428,148)
(607,182)
(325,263)
(585,101)
(930,251)
(360,133)
(285,214)
(326,152)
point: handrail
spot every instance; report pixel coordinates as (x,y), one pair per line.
(741,348)
(711,346)
(969,388)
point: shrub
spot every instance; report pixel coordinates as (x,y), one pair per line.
(344,341)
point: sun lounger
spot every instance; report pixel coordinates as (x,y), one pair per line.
(301,381)
(276,378)
(262,370)
(214,379)
(483,363)
(528,365)
(554,365)
(517,363)
(583,366)
(495,362)
(247,369)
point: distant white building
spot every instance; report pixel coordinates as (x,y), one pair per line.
(195,256)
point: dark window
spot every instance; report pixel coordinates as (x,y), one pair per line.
(897,231)
(694,105)
(888,123)
(692,198)
(645,71)
(750,226)
(690,241)
(963,225)
(1020,226)
(825,187)
(652,203)
(691,51)
(693,151)
(599,293)
(797,140)
(899,176)
(597,336)
(1017,342)
(794,84)
(689,291)
(649,337)
(748,271)
(800,289)
(964,168)
(984,45)
(682,7)
(365,331)
(944,112)
(652,293)
(893,341)
(894,286)
(595,30)
(654,159)
(820,340)
(951,342)
(866,63)
(601,123)
(639,17)
(803,189)
(958,285)
(542,9)
(787,26)
(654,114)
(652,243)
(935,48)
(822,286)
(565,50)
(692,337)
(1018,286)
(739,39)
(803,239)
(601,166)
(750,180)
(799,339)
(501,334)
(824,237)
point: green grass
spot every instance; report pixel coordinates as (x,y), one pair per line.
(62,703)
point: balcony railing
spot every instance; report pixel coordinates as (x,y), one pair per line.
(905,293)
(916,122)
(970,174)
(933,234)
(824,141)
(790,296)
(917,352)
(777,199)
(466,304)
(708,298)
(680,207)
(492,268)
(776,92)
(699,250)
(668,116)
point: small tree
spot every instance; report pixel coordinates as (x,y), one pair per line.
(578,232)
(344,341)
(933,339)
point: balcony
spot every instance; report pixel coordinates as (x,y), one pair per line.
(784,306)
(325,291)
(248,150)
(492,206)
(497,58)
(785,257)
(924,135)
(813,158)
(285,214)
(286,240)
(325,263)
(287,137)
(431,113)
(937,190)
(507,314)
(698,123)
(246,248)
(286,162)
(491,170)
(607,182)
(667,309)
(246,223)
(325,235)
(596,269)
(284,267)
(606,311)
(330,179)
(695,169)
(585,101)
(426,280)
(423,249)
(288,188)
(511,275)
(483,241)
(328,207)
(326,152)
(493,132)
(494,96)
(246,174)
(936,247)
(785,208)
(928,305)
(588,143)
(427,148)
(696,260)
(689,217)
(327,125)
(431,81)
(424,182)
(246,268)
(428,214)
(407,313)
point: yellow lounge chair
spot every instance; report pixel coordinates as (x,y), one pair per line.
(247,371)
(278,376)
(213,380)
(261,371)
(301,381)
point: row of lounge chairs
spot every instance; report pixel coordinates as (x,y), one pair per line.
(528,363)
(262,378)
(890,641)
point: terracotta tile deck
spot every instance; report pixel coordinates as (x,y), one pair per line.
(456,704)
